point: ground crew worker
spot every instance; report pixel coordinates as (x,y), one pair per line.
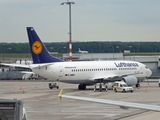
(100,87)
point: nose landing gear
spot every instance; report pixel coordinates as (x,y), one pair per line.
(137,85)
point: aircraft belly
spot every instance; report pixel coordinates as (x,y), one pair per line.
(76,79)
(87,82)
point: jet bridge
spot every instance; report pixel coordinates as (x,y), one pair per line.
(12,110)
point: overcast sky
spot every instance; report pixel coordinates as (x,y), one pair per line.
(92,20)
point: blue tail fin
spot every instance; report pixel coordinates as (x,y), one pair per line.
(39,52)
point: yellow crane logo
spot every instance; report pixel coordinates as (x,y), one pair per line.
(37,47)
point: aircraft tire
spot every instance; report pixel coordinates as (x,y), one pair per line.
(115,90)
(81,86)
(124,90)
(84,86)
(137,85)
(51,87)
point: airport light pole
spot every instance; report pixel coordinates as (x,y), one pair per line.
(70,34)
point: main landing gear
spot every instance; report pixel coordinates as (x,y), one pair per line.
(81,86)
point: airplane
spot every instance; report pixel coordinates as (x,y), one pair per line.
(83,73)
(82,51)
(123,105)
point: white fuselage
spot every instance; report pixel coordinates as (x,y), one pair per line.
(87,71)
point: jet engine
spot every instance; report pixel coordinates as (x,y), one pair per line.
(130,80)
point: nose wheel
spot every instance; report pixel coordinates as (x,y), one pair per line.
(137,85)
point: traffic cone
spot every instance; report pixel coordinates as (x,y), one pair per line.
(146,90)
(23,92)
(20,88)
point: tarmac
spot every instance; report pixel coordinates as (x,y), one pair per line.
(42,103)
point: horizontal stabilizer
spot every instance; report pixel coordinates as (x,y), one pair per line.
(16,65)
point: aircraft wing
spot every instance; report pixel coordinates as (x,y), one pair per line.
(124,105)
(114,77)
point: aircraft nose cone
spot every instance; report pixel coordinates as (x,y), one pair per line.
(149,72)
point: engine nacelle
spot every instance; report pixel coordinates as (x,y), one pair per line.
(130,80)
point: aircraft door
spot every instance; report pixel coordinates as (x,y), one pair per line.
(60,71)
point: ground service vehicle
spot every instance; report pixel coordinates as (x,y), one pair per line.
(122,86)
(53,85)
(100,87)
